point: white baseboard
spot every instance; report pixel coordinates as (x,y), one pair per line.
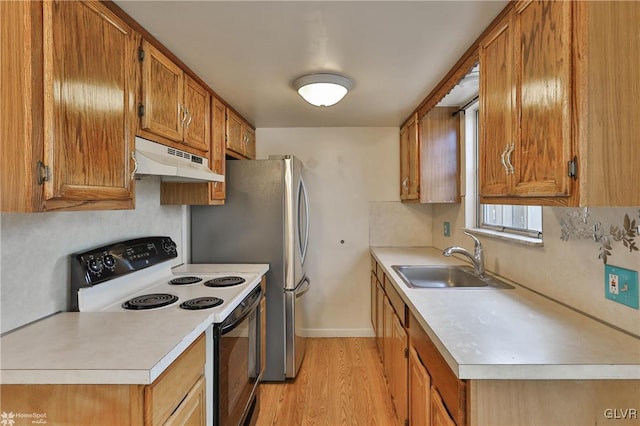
(339,332)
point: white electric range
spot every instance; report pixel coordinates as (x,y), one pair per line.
(136,276)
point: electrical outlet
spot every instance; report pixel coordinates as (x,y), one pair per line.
(621,285)
(447,229)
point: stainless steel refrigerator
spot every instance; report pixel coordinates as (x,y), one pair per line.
(265,219)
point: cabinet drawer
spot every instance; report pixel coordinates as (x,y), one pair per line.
(396,301)
(165,394)
(452,390)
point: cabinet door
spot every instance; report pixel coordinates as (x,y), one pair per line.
(419,391)
(380,319)
(410,161)
(234,133)
(439,156)
(398,380)
(197,103)
(496,111)
(439,414)
(374,315)
(249,138)
(542,47)
(217,149)
(162,94)
(89,108)
(387,339)
(191,411)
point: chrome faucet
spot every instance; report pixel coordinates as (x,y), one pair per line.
(477,259)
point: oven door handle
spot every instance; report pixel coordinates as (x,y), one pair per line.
(225,328)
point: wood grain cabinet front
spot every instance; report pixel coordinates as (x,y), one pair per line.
(392,340)
(410,160)
(68,106)
(175,109)
(240,137)
(525,139)
(558,84)
(429,157)
(176,397)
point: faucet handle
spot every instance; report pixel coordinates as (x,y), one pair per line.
(477,243)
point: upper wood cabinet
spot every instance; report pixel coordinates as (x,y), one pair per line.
(174,106)
(429,157)
(410,160)
(68,105)
(525,138)
(241,138)
(558,85)
(440,156)
(204,193)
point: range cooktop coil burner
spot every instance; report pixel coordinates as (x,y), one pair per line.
(225,281)
(201,303)
(150,301)
(185,280)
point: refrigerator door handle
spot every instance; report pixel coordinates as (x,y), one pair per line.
(302,193)
(302,288)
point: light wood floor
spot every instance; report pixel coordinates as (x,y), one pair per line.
(340,382)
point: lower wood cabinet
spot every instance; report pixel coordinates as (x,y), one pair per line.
(192,411)
(445,385)
(177,397)
(388,317)
(439,414)
(419,391)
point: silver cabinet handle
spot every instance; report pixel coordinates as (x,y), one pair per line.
(135,164)
(503,159)
(404,183)
(184,111)
(190,117)
(512,170)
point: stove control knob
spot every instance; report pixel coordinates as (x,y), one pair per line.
(169,246)
(94,265)
(109,261)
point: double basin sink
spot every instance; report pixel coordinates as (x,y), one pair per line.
(428,276)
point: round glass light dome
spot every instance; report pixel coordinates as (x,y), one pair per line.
(322,89)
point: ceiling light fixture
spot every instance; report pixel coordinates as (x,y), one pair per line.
(322,89)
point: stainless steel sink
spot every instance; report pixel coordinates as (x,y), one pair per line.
(427,276)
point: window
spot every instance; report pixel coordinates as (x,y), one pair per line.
(508,220)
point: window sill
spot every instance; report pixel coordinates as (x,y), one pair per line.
(512,238)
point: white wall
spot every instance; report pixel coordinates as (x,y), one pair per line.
(34,249)
(351,175)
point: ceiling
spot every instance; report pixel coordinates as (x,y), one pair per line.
(249,52)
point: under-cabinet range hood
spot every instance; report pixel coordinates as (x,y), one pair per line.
(172,164)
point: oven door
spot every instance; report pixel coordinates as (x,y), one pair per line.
(237,362)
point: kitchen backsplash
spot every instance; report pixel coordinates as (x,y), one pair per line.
(396,224)
(567,271)
(34,278)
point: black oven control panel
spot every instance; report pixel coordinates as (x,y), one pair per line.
(114,260)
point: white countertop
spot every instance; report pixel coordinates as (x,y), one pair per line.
(106,347)
(511,334)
